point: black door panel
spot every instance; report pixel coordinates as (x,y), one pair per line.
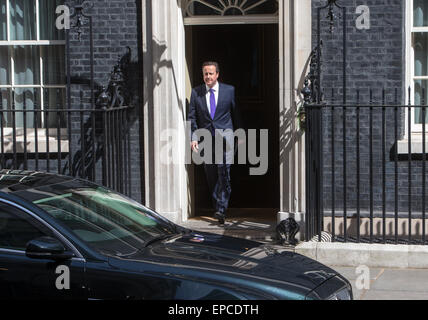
(248,58)
(25,278)
(22,277)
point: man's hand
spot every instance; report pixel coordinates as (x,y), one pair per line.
(195,147)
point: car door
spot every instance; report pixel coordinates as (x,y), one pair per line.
(22,277)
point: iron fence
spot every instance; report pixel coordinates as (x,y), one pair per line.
(366,170)
(93,144)
(82,128)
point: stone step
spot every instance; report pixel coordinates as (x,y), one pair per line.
(247,228)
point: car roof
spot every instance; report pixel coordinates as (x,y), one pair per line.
(17,180)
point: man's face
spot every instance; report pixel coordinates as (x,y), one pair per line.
(210,75)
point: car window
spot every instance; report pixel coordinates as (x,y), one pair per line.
(17,228)
(105,220)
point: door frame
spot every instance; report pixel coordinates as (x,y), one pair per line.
(230,20)
(163,36)
(221,21)
(191,41)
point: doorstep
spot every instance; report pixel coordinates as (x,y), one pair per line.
(250,228)
(362,254)
(328,253)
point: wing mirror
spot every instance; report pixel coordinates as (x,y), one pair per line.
(47,248)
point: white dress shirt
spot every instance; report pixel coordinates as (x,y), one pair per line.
(208,95)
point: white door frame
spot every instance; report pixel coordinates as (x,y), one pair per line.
(167,187)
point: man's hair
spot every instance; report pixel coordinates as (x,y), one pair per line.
(211,63)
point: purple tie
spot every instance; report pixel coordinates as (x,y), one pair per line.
(212,103)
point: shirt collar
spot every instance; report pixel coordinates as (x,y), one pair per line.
(215,88)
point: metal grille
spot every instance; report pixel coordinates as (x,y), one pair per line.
(370,142)
(365,171)
(85,134)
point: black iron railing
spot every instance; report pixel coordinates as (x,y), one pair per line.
(80,129)
(93,144)
(366,170)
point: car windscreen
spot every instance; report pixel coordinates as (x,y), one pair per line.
(107,221)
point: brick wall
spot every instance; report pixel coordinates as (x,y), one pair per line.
(116,26)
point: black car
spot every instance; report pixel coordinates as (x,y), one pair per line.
(66,238)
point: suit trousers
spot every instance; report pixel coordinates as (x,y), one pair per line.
(218,177)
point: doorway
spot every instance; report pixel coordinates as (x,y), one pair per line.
(248,58)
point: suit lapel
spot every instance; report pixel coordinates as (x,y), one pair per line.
(203,98)
(220,98)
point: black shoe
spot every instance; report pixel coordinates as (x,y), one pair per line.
(220,216)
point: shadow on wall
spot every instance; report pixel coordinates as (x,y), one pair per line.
(365,227)
(157,64)
(159,48)
(153,55)
(290,134)
(131,95)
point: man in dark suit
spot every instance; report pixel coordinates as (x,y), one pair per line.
(212,107)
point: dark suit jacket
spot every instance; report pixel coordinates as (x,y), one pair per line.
(226,115)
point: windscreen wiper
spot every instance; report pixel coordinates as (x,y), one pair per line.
(158,238)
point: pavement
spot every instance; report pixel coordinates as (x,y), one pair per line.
(387,283)
(376,271)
